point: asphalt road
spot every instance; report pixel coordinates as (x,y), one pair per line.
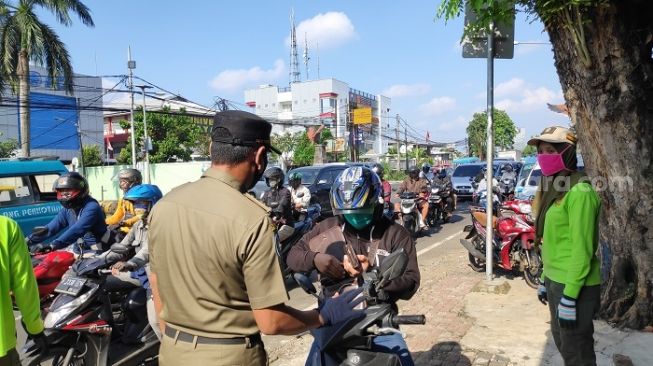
(438,241)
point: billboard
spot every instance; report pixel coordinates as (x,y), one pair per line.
(53,122)
(362,116)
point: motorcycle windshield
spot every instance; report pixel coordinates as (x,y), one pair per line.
(87,266)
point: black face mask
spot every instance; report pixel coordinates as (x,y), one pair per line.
(259,173)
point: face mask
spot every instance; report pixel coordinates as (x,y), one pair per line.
(258,174)
(273,183)
(358,220)
(552,163)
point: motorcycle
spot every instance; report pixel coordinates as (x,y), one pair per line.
(438,198)
(350,342)
(89,325)
(304,225)
(507,189)
(409,213)
(514,247)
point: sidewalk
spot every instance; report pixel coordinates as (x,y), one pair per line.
(466,326)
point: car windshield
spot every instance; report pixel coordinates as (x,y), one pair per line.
(535,177)
(467,170)
(308,175)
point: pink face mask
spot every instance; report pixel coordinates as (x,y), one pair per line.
(552,163)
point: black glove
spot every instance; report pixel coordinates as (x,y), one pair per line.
(124,266)
(341,308)
(567,312)
(42,248)
(40,341)
(541,294)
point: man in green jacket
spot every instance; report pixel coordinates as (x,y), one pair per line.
(17,277)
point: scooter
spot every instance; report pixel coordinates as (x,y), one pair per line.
(349,342)
(440,193)
(514,247)
(409,213)
(88,325)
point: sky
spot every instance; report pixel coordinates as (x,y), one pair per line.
(203,50)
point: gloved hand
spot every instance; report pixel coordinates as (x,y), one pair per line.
(42,248)
(541,294)
(340,308)
(567,312)
(40,341)
(124,266)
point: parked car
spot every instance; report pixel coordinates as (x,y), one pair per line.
(319,179)
(462,177)
(26,193)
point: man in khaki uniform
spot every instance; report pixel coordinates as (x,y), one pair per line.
(215,278)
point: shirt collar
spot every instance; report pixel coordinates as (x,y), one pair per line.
(223,177)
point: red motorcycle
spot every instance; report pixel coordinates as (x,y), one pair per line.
(49,268)
(514,241)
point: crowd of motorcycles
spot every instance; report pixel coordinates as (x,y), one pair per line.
(89,322)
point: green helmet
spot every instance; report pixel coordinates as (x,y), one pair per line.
(295,176)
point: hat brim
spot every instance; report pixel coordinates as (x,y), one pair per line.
(274,149)
(536,140)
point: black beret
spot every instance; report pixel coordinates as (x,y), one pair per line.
(245,129)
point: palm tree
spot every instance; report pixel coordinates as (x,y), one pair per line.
(24,38)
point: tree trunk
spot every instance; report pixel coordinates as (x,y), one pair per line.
(610,96)
(23,97)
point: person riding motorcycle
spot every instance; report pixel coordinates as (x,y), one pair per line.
(508,172)
(124,217)
(427,173)
(297,189)
(143,197)
(387,190)
(81,217)
(355,199)
(443,180)
(413,183)
(279,200)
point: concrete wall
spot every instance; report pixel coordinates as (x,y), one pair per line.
(104,184)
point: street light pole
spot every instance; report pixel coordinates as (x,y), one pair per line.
(131,65)
(489,246)
(146,142)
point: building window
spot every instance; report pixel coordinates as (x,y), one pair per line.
(274,104)
(266,106)
(314,100)
(296,102)
(305,101)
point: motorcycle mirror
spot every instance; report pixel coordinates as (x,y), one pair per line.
(40,230)
(393,265)
(305,283)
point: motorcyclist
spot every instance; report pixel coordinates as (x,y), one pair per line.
(427,173)
(413,183)
(444,181)
(297,189)
(359,218)
(124,217)
(387,190)
(143,197)
(81,217)
(279,200)
(508,172)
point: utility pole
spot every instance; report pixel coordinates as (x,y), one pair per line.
(406,142)
(397,140)
(489,240)
(146,139)
(79,138)
(131,65)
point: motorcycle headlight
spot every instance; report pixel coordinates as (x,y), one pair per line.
(56,314)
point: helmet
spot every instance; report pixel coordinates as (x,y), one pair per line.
(442,173)
(426,167)
(133,176)
(75,182)
(507,167)
(356,190)
(144,192)
(295,176)
(378,169)
(273,175)
(413,172)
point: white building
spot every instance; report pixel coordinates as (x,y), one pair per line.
(326,101)
(54,115)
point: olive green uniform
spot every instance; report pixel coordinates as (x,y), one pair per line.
(212,251)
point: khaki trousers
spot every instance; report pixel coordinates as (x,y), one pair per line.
(176,353)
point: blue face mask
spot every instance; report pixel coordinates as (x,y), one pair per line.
(359,220)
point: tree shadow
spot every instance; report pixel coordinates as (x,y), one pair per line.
(442,353)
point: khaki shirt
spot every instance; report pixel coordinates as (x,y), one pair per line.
(211,247)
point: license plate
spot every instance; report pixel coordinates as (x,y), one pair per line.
(70,286)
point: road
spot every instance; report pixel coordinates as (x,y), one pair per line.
(441,240)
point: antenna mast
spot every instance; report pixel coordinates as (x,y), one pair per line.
(306,58)
(294,61)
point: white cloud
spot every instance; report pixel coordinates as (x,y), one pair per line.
(529,100)
(237,79)
(329,30)
(509,87)
(437,106)
(406,90)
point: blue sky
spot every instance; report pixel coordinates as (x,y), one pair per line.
(206,49)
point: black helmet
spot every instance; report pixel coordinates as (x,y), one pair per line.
(133,176)
(507,168)
(378,169)
(71,181)
(413,171)
(426,167)
(356,190)
(273,175)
